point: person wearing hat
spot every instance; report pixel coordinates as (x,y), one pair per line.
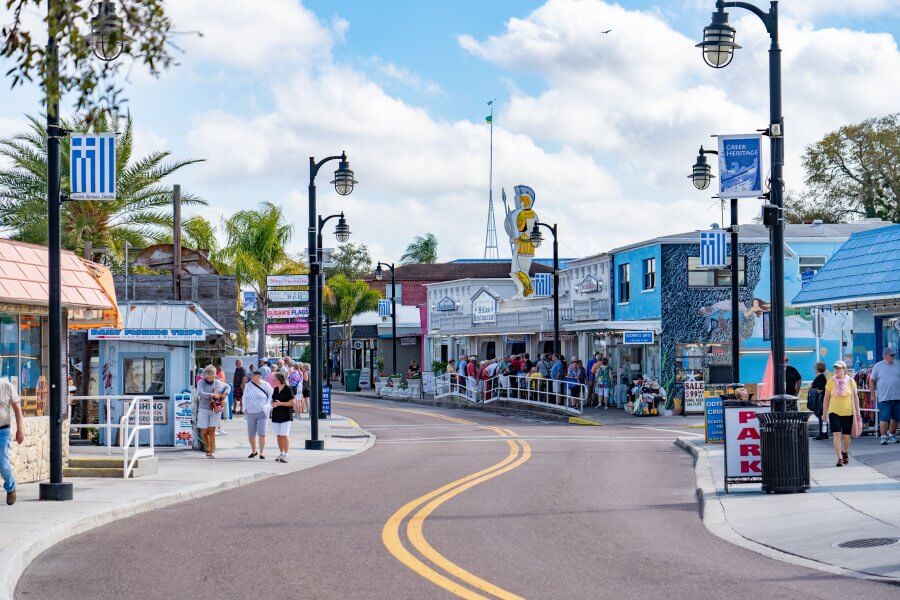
(842,407)
(884,383)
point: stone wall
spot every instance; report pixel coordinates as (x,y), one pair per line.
(31,459)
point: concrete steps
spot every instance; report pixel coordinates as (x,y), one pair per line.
(108,467)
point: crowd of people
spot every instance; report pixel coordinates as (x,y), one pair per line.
(551,378)
(265,393)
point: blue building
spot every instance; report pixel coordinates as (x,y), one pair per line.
(660,283)
(863,276)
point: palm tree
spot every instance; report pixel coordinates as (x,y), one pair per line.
(344,298)
(256,247)
(422,250)
(140,214)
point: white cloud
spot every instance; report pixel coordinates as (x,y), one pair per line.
(810,9)
(405,76)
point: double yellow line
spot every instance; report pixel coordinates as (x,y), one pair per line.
(441,571)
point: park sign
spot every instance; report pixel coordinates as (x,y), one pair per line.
(286,280)
(288,296)
(287,312)
(740,166)
(92,166)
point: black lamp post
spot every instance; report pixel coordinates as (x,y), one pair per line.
(536,240)
(701,176)
(342,233)
(343,184)
(106,40)
(379,275)
(718,48)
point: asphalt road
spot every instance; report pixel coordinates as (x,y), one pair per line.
(532,510)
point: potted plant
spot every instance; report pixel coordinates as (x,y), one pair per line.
(396,378)
(415,386)
(439,367)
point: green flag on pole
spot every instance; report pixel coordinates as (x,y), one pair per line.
(488,119)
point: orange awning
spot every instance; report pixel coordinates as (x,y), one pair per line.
(107,317)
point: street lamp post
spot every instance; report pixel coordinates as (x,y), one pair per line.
(106,35)
(342,233)
(379,275)
(536,240)
(701,175)
(343,185)
(718,48)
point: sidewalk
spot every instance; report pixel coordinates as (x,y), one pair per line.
(843,504)
(29,527)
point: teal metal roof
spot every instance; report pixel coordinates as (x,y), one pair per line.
(866,267)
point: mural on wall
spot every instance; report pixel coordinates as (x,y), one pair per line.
(697,315)
(518,224)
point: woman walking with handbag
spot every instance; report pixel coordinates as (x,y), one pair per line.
(212,393)
(257,404)
(842,408)
(283,406)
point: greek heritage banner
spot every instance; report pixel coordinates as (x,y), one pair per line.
(740,166)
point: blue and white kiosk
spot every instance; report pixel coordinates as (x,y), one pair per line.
(154,355)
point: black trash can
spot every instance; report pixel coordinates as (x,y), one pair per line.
(784,445)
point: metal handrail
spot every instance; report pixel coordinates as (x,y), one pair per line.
(558,394)
(130,429)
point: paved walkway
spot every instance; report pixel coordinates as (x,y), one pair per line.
(30,526)
(843,504)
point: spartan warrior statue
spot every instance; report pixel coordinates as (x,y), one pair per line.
(519,223)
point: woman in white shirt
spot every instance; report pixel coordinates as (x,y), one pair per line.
(257,403)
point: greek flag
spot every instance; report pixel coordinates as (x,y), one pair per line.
(543,285)
(92,167)
(384,308)
(713,248)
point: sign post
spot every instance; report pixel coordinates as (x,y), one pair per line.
(743,452)
(693,397)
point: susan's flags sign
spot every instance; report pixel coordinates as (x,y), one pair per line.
(92,167)
(740,166)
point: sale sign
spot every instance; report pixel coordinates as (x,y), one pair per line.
(743,452)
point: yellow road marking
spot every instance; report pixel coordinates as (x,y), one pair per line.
(390,534)
(417,538)
(583,421)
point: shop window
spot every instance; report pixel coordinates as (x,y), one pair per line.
(144,376)
(9,335)
(811,263)
(32,386)
(624,283)
(705,277)
(649,273)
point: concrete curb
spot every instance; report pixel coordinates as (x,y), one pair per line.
(712,513)
(15,563)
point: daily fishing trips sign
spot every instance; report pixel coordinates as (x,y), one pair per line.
(740,166)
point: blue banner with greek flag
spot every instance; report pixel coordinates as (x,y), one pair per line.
(713,248)
(384,308)
(543,285)
(92,166)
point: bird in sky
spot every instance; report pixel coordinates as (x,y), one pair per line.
(607,31)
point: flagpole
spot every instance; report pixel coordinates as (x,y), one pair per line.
(491,168)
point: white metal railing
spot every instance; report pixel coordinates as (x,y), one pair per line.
(137,416)
(555,394)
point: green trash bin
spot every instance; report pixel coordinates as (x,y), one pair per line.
(351,380)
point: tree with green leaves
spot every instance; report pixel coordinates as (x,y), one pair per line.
(422,250)
(343,299)
(143,37)
(352,260)
(141,214)
(802,208)
(857,167)
(256,247)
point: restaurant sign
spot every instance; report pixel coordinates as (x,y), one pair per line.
(446,305)
(139,335)
(484,307)
(590,285)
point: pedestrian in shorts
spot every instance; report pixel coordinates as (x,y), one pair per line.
(884,383)
(283,407)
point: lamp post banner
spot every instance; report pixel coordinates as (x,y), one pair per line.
(740,166)
(286,280)
(92,166)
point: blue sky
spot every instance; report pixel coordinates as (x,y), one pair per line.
(604,127)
